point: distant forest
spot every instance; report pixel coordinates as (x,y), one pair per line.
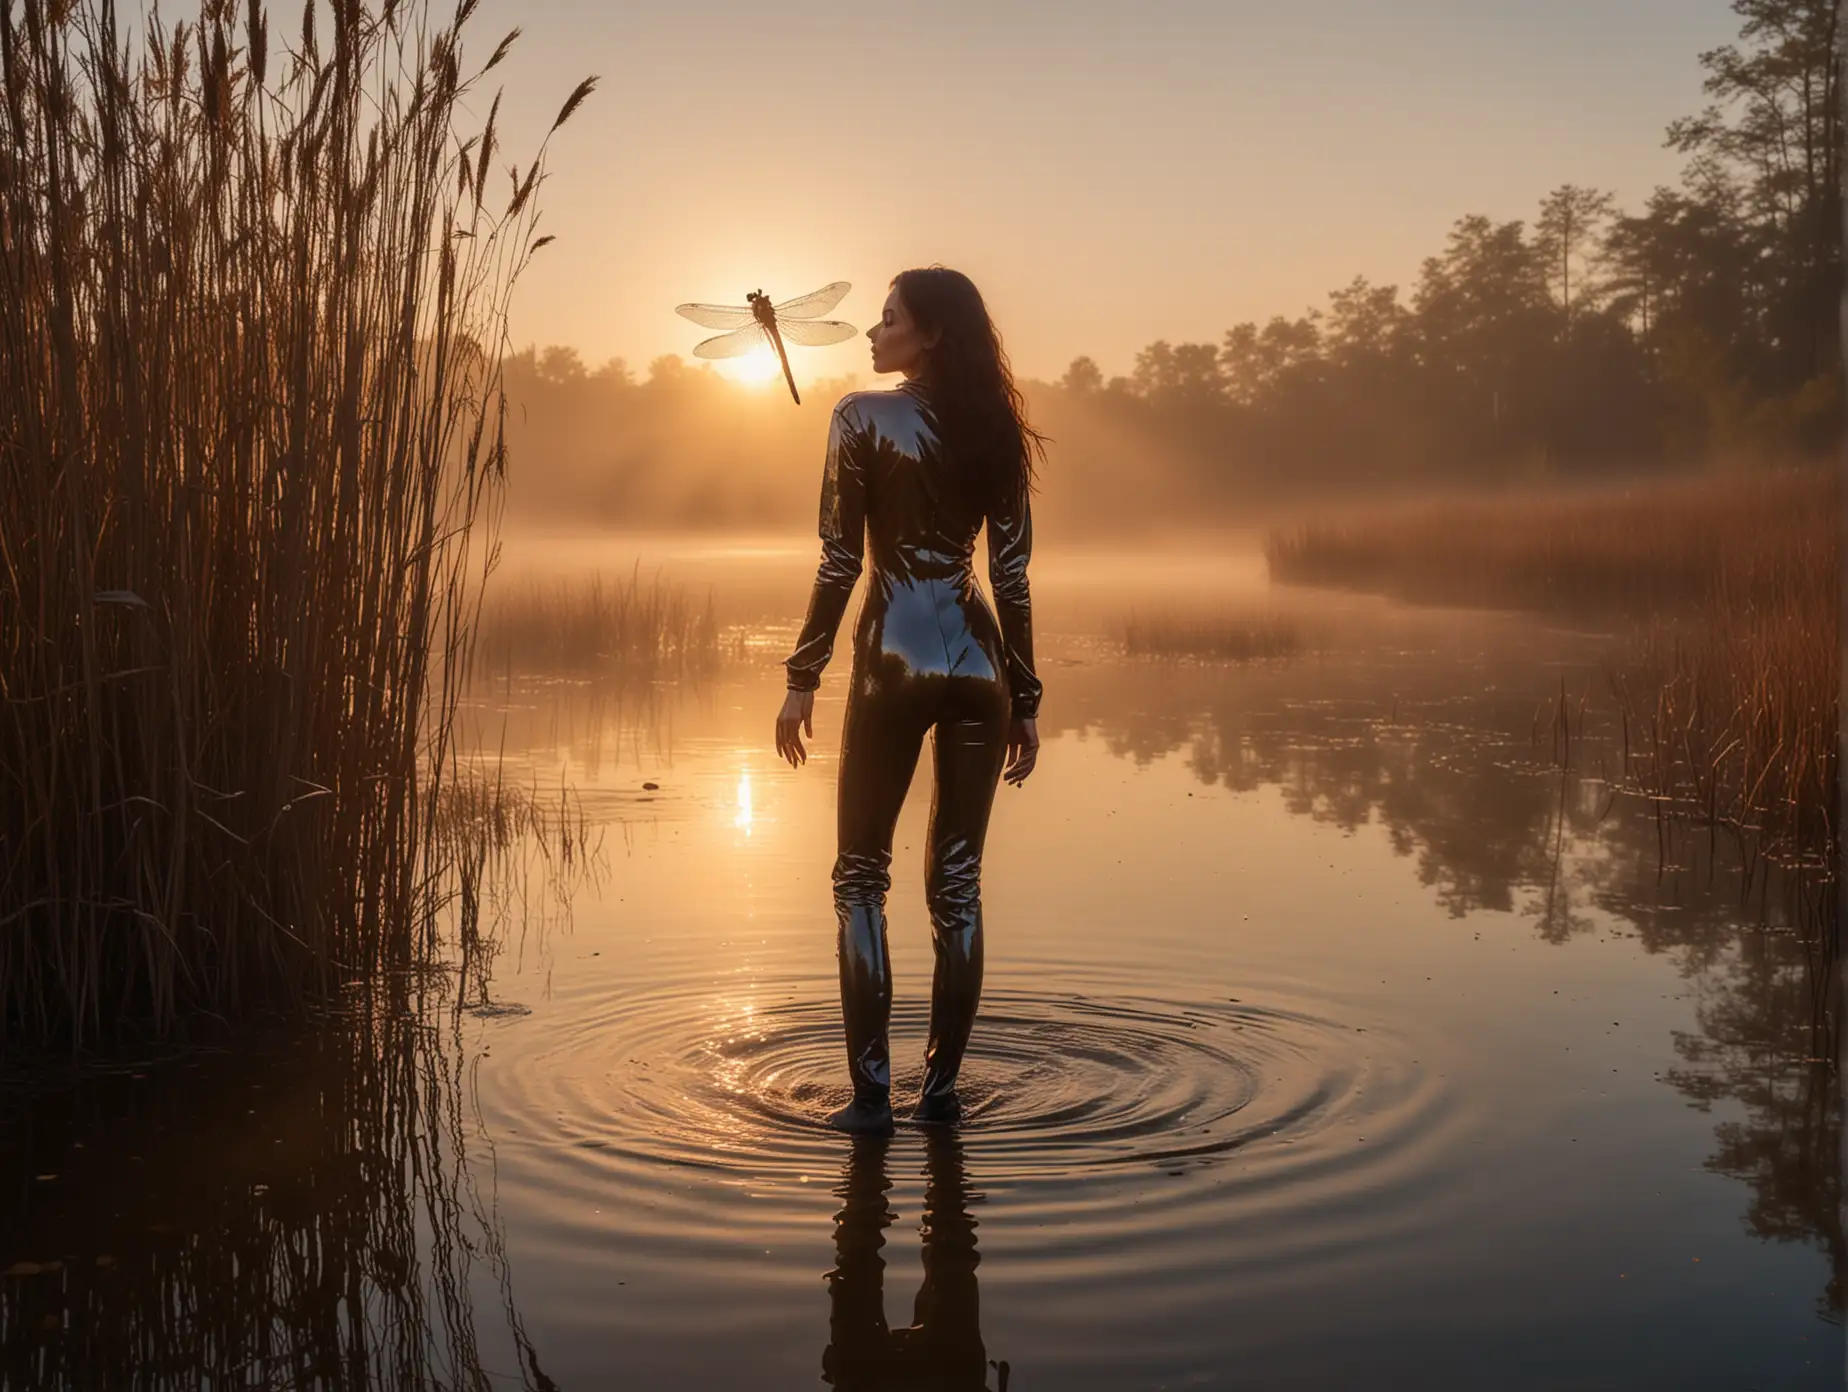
(1589,343)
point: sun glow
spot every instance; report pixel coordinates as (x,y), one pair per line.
(758,366)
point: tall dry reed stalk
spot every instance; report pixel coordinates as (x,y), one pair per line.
(252,307)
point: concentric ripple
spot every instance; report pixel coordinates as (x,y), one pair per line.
(1055,1085)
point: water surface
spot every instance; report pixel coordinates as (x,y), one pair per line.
(1332,1037)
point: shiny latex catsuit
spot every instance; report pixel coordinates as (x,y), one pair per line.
(928,655)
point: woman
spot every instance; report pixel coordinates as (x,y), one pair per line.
(921,469)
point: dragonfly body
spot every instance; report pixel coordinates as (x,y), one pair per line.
(758,323)
(766,316)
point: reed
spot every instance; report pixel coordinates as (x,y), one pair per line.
(520,856)
(638,630)
(1641,550)
(1725,596)
(1216,637)
(1730,713)
(252,307)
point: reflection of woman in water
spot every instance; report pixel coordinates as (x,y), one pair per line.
(942,1349)
(920,470)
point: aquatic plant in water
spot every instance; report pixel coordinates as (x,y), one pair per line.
(1725,594)
(1210,636)
(624,628)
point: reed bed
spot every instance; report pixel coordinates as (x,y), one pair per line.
(1642,550)
(1730,714)
(1212,637)
(252,307)
(640,630)
(1726,596)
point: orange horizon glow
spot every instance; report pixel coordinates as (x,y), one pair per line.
(1109,175)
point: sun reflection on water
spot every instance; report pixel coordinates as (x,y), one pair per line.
(743,818)
(728,1051)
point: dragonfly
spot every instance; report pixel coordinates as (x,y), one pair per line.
(758,322)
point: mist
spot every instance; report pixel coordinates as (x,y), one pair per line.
(1589,345)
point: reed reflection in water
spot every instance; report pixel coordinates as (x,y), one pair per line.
(303,1211)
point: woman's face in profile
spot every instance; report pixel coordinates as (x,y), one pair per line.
(898,346)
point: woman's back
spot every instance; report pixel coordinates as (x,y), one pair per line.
(919,526)
(891,491)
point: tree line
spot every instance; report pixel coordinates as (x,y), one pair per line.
(1587,342)
(1702,326)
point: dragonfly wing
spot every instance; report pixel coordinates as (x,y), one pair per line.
(813,333)
(814,304)
(733,345)
(712,316)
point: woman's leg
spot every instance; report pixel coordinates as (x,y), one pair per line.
(969,753)
(884,729)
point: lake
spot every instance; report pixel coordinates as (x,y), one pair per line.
(1333,1035)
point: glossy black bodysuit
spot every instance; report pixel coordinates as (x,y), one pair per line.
(928,655)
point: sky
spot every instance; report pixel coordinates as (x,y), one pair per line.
(1108,173)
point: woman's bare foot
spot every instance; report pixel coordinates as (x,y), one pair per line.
(859,1118)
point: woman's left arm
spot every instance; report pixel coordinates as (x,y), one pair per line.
(843,543)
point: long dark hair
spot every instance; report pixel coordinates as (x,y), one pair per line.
(980,412)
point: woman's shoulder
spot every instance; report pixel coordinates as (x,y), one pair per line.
(874,409)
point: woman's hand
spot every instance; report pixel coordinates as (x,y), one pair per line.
(797,716)
(1022,751)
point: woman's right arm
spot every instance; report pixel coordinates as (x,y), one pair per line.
(843,542)
(1010,548)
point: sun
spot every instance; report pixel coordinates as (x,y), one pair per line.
(760,365)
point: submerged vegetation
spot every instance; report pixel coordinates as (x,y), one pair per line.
(518,856)
(252,305)
(1731,714)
